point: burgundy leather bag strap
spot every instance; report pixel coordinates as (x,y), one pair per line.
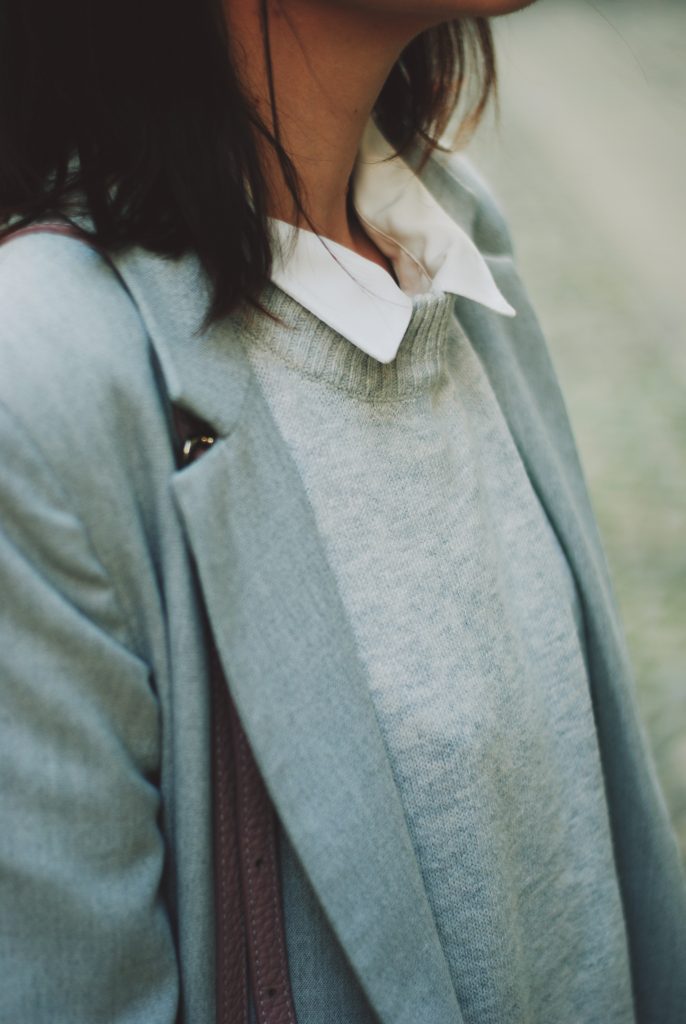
(249,931)
(246,854)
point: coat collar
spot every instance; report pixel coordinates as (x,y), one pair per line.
(282,634)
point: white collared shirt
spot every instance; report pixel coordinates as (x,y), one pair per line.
(429,251)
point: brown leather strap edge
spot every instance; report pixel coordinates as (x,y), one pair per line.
(262,896)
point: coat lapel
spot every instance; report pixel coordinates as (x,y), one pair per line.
(290,657)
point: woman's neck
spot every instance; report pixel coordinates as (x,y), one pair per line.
(329,65)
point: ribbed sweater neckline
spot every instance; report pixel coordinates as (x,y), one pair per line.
(309,345)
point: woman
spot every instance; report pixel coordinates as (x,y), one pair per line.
(389,531)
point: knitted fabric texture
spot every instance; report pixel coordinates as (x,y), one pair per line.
(468,620)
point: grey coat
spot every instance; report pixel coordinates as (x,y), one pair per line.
(105,855)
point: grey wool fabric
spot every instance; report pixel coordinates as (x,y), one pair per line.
(468,622)
(115,560)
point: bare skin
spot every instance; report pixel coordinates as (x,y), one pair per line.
(330,60)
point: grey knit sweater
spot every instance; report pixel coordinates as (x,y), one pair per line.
(467,618)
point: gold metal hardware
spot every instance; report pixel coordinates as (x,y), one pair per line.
(191,443)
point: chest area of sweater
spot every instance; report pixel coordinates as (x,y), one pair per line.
(466,615)
(462,603)
(431,525)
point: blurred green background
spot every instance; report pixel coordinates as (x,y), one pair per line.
(589,164)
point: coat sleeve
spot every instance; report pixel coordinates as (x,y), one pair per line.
(84,931)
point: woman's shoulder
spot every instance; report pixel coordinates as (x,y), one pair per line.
(67,330)
(77,382)
(75,366)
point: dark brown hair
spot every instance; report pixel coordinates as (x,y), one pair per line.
(133,114)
